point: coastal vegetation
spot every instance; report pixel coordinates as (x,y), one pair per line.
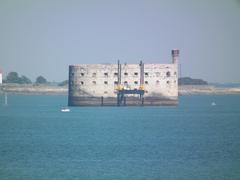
(191,81)
(14,78)
(41,80)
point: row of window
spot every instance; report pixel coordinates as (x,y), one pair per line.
(168,74)
(125,82)
(106,92)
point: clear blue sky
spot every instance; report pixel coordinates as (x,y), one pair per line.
(42,37)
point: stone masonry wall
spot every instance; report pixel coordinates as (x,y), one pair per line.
(97,80)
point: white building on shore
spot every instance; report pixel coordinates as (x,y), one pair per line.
(1,77)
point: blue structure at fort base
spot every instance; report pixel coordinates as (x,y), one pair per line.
(121,99)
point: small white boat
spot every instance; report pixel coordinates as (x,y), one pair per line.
(65,110)
(213,104)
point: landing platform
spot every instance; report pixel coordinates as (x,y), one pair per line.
(129,101)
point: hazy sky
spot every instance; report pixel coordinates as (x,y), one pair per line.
(42,37)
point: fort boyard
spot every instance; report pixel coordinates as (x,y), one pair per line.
(124,84)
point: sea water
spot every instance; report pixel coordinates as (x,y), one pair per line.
(192,141)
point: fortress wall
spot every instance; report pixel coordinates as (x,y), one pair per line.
(91,84)
(91,80)
(162,80)
(100,80)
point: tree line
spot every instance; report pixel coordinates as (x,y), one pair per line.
(13,77)
(191,81)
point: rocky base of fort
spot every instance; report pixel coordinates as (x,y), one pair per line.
(127,101)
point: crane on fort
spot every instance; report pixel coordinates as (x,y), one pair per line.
(122,91)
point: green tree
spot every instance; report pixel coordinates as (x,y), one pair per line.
(41,80)
(12,77)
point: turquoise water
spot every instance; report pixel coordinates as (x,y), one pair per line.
(192,141)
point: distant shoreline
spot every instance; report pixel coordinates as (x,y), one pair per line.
(33,89)
(207,90)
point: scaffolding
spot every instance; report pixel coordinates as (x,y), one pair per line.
(122,92)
